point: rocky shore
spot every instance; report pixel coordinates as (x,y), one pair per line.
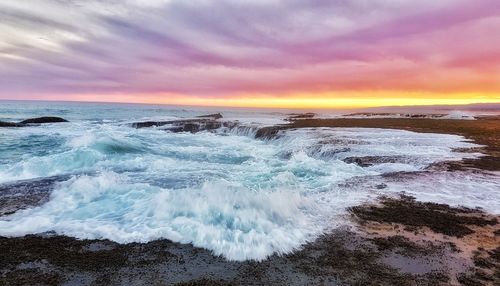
(394,241)
(484,131)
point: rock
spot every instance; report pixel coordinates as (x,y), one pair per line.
(9,124)
(213,116)
(38,120)
(440,218)
(146,124)
(186,125)
(269,132)
(360,161)
(206,124)
(46,119)
(195,126)
(298,116)
(368,161)
(24,194)
(174,123)
(191,127)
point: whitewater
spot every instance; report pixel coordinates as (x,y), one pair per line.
(224,190)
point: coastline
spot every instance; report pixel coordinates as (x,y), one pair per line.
(375,250)
(483,131)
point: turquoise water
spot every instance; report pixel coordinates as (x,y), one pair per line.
(226,191)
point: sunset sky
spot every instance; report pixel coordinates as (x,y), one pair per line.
(261,53)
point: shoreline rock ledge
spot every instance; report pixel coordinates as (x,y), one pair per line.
(31,121)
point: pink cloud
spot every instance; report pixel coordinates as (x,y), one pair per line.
(226,47)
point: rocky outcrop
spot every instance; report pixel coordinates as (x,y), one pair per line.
(211,122)
(186,125)
(147,124)
(27,193)
(269,132)
(200,123)
(37,120)
(213,116)
(45,119)
(9,124)
(368,161)
(206,124)
(298,116)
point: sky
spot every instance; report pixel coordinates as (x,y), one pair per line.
(259,53)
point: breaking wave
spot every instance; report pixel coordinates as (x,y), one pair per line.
(240,197)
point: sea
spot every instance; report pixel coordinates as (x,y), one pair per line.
(242,197)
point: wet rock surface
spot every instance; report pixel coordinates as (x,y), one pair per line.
(465,251)
(368,161)
(486,269)
(9,124)
(298,116)
(270,132)
(344,256)
(187,125)
(32,121)
(46,119)
(440,218)
(27,193)
(193,125)
(213,116)
(340,258)
(211,122)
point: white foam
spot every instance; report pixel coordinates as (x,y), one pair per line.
(468,189)
(239,197)
(225,217)
(456,114)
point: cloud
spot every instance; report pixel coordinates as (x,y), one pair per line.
(208,48)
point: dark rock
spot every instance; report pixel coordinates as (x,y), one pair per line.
(297,116)
(46,119)
(440,218)
(206,282)
(191,127)
(213,116)
(317,151)
(147,124)
(194,126)
(403,246)
(339,258)
(27,193)
(206,124)
(38,120)
(368,161)
(369,114)
(358,161)
(9,124)
(186,125)
(269,132)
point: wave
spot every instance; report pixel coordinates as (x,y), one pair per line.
(225,217)
(225,191)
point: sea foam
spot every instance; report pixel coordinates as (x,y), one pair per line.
(240,197)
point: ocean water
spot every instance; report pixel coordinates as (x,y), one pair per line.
(241,197)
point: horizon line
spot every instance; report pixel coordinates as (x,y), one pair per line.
(255,107)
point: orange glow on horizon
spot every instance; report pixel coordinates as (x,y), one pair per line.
(341,100)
